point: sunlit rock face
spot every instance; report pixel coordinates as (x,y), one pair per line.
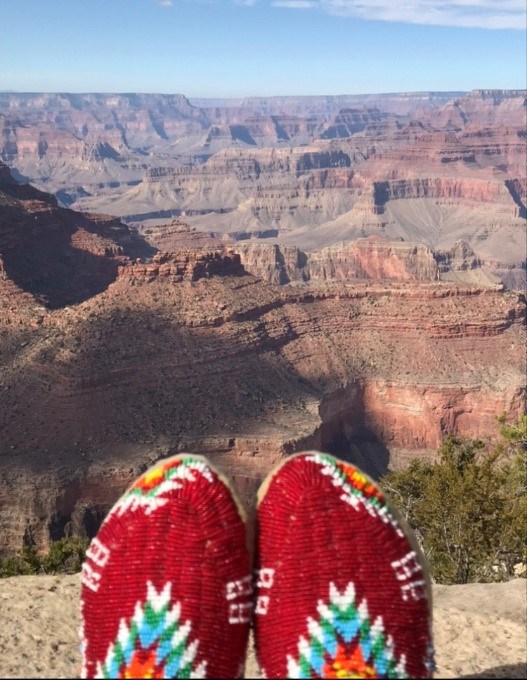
(428,168)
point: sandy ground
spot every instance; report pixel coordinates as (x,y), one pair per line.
(479,629)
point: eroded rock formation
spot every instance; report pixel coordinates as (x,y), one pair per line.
(185,350)
(373,258)
(58,255)
(245,372)
(430,168)
(181,266)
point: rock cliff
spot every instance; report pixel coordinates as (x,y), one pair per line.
(58,255)
(373,259)
(468,192)
(180,266)
(245,372)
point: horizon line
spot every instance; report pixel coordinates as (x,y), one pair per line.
(268,96)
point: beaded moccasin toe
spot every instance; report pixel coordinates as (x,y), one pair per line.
(166,587)
(341,587)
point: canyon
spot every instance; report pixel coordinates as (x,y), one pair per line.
(119,348)
(247,279)
(428,168)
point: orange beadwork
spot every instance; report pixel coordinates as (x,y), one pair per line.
(143,665)
(359,481)
(348,666)
(153,477)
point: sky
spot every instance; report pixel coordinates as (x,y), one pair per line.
(239,48)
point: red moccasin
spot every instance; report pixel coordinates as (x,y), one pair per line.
(166,587)
(342,589)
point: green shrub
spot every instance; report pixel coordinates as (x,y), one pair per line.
(13,566)
(468,509)
(514,447)
(64,557)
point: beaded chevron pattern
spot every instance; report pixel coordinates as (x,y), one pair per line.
(357,490)
(154,643)
(344,643)
(147,492)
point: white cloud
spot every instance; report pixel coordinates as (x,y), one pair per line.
(493,14)
(165,3)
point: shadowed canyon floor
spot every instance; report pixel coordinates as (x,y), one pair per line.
(479,629)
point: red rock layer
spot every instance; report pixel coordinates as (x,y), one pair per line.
(180,266)
(245,372)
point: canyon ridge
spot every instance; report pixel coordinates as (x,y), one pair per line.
(432,168)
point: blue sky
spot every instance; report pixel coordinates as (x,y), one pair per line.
(234,48)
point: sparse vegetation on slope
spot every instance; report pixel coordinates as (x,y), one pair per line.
(469,509)
(64,557)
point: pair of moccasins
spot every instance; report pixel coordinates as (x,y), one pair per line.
(338,588)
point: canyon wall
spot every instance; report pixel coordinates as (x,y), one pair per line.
(428,168)
(366,259)
(58,255)
(471,192)
(373,258)
(245,372)
(340,330)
